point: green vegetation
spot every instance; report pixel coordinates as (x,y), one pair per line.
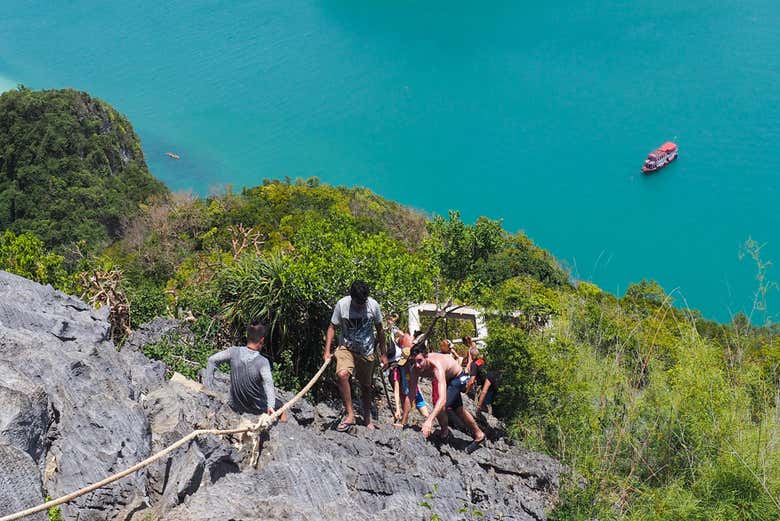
(71,167)
(53,513)
(26,255)
(660,413)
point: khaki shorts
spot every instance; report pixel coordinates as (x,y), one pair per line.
(361,367)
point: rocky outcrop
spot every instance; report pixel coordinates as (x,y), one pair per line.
(75,410)
(69,397)
(311,474)
(20,482)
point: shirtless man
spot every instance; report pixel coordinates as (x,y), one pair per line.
(451,380)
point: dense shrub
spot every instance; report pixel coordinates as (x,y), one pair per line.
(147,302)
(26,255)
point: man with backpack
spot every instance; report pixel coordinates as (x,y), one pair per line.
(360,320)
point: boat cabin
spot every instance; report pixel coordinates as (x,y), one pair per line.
(660,157)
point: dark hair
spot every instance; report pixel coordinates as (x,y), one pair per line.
(418,350)
(359,291)
(255,332)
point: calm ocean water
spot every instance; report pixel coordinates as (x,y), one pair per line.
(538,114)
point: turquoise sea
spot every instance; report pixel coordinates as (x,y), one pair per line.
(537,112)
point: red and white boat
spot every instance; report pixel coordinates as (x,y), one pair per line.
(660,157)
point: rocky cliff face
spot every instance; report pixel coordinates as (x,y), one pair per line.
(74,410)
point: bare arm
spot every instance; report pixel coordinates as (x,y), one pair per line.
(331,333)
(441,381)
(470,384)
(483,395)
(380,334)
(472,374)
(407,400)
(211,366)
(468,365)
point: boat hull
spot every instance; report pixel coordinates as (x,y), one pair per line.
(648,171)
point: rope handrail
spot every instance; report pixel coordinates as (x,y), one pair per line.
(263,423)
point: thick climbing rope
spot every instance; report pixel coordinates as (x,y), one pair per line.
(263,423)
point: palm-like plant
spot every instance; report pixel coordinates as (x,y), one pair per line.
(253,287)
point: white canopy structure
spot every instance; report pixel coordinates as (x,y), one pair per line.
(476,316)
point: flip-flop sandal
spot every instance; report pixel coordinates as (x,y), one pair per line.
(474,445)
(344,426)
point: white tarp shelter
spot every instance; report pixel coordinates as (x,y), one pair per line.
(476,316)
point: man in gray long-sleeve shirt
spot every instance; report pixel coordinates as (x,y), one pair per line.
(251,383)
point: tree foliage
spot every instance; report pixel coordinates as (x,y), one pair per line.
(294,291)
(458,247)
(26,255)
(71,167)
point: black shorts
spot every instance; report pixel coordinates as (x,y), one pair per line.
(454,388)
(259,408)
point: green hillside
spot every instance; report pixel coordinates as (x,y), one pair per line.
(660,413)
(71,167)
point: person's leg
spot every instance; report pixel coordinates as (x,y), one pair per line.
(346,395)
(397,397)
(345,364)
(422,407)
(468,419)
(491,396)
(483,396)
(364,370)
(405,413)
(403,382)
(453,402)
(395,379)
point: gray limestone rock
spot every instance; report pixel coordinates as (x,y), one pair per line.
(75,410)
(20,483)
(174,410)
(373,474)
(145,374)
(25,412)
(61,345)
(154,331)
